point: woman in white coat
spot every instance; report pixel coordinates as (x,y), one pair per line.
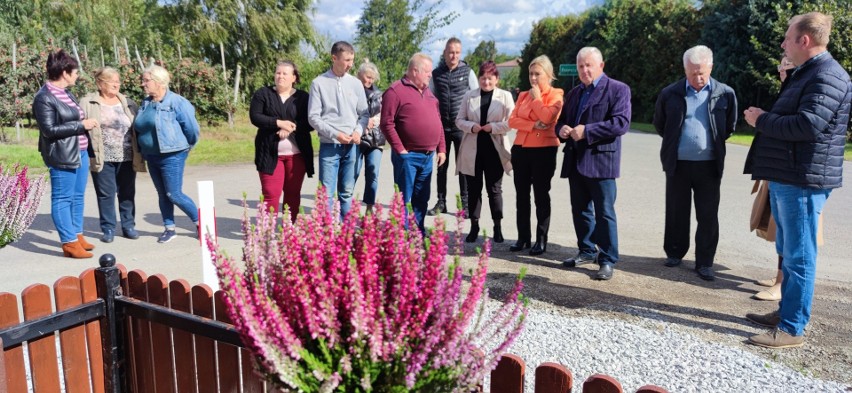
(484,152)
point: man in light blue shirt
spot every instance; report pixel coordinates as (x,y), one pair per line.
(337,109)
(695,116)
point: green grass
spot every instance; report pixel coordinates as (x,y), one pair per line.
(740,137)
(219,145)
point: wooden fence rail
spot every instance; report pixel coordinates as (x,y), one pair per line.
(121,331)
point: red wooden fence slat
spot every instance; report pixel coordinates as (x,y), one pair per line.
(601,383)
(89,292)
(229,361)
(553,378)
(161,337)
(205,349)
(252,381)
(508,377)
(651,389)
(139,335)
(67,294)
(45,371)
(3,387)
(13,358)
(184,352)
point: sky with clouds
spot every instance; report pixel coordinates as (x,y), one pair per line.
(507,22)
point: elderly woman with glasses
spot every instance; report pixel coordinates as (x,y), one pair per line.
(166,129)
(116,157)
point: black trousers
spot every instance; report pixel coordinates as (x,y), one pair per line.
(487,165)
(701,180)
(533,168)
(116,179)
(452,136)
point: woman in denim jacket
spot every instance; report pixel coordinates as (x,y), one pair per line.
(166,129)
(373,141)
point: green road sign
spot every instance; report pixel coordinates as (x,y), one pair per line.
(568,70)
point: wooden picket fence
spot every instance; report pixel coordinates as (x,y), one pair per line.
(122,331)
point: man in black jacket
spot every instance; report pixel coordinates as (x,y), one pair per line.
(694,115)
(450,81)
(798,148)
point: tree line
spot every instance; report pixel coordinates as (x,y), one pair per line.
(643,43)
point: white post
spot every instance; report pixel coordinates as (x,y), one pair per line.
(207,224)
(15,87)
(222,52)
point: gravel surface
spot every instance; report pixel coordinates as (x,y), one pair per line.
(648,351)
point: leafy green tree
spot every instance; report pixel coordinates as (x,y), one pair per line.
(390,31)
(551,36)
(629,29)
(486,50)
(254,33)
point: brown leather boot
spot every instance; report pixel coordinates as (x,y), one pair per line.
(75,250)
(83,243)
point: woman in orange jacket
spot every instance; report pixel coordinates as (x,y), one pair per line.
(534,152)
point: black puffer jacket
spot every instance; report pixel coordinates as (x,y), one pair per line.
(373,138)
(801,140)
(449,87)
(58,126)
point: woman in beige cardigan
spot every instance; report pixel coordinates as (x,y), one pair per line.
(484,152)
(116,156)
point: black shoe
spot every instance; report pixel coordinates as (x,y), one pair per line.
(440,207)
(130,233)
(109,234)
(672,262)
(498,234)
(473,234)
(520,245)
(580,259)
(706,273)
(540,246)
(605,272)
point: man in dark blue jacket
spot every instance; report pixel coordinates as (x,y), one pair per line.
(694,115)
(595,116)
(798,147)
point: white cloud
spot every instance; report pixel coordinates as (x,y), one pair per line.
(507,22)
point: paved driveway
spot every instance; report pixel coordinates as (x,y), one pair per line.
(640,205)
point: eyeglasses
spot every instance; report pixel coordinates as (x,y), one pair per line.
(146,80)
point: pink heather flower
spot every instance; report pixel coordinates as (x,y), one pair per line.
(363,304)
(19,201)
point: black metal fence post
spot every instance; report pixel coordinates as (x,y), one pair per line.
(108,279)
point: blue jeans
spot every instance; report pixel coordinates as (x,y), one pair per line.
(796,211)
(593,210)
(412,173)
(373,158)
(116,178)
(337,173)
(167,173)
(67,194)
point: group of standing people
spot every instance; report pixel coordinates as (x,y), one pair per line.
(108,134)
(797,150)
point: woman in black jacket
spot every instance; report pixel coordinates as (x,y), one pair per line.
(283,153)
(370,149)
(64,145)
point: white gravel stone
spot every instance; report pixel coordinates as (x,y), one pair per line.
(649,352)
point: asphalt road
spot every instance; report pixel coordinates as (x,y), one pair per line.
(37,258)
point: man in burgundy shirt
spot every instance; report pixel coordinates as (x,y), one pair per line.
(411,123)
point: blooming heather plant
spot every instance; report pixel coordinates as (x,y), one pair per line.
(19,200)
(363,305)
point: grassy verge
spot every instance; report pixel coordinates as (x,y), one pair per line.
(739,138)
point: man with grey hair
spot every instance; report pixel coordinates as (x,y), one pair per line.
(798,147)
(595,116)
(694,115)
(411,123)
